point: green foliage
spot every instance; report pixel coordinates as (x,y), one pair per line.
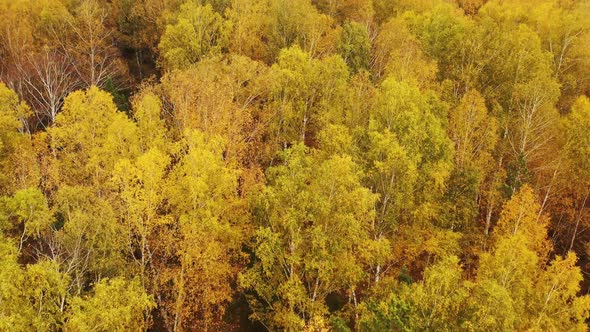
(397,54)
(306,94)
(354,46)
(89,136)
(411,149)
(392,314)
(196,32)
(300,257)
(87,235)
(438,301)
(28,210)
(115,305)
(514,277)
(441,31)
(32,298)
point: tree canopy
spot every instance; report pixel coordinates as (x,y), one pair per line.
(294,165)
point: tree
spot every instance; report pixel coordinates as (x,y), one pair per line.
(217,97)
(392,313)
(306,95)
(139,26)
(197,32)
(415,120)
(439,301)
(575,178)
(521,215)
(516,287)
(91,46)
(394,175)
(37,66)
(14,113)
(141,186)
(89,136)
(441,31)
(25,215)
(210,223)
(559,289)
(360,11)
(354,46)
(33,297)
(252,26)
(86,238)
(115,304)
(50,79)
(512,71)
(409,160)
(475,133)
(17,169)
(562,29)
(312,239)
(397,54)
(313,165)
(263,28)
(151,128)
(505,279)
(517,270)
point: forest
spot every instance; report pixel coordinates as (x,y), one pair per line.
(294,165)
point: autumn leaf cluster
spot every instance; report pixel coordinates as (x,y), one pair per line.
(294,165)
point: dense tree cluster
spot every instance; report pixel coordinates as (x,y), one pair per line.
(296,165)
